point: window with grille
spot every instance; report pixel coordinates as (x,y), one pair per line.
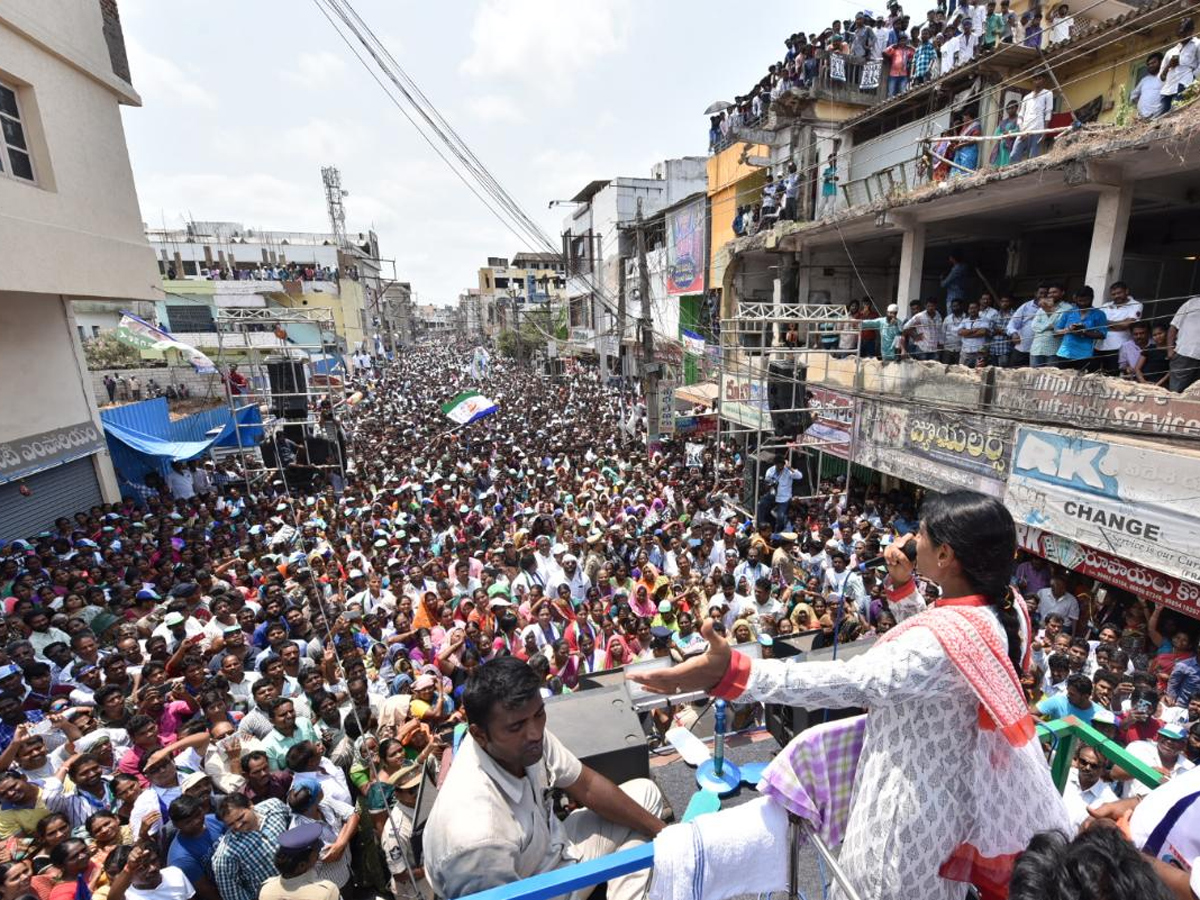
(14,151)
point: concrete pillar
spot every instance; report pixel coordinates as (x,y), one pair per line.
(1108,238)
(803,283)
(912,264)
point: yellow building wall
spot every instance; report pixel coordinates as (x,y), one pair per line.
(726,167)
(731,183)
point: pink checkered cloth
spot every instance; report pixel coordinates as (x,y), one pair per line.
(813,777)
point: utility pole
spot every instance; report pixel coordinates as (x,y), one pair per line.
(649,366)
(598,279)
(621,435)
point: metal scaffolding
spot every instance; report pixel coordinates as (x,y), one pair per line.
(763,399)
(254,339)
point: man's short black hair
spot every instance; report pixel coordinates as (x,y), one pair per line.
(230,802)
(1054,865)
(101,696)
(300,755)
(1081,683)
(183,807)
(1058,661)
(505,680)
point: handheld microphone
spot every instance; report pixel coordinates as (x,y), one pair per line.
(909,550)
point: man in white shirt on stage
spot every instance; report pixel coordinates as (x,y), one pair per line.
(782,478)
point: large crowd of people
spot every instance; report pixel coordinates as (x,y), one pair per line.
(234,690)
(281,272)
(888,54)
(885,56)
(969,325)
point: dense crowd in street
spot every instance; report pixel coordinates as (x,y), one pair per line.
(234,691)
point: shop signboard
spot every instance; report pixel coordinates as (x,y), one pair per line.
(1131,499)
(1093,401)
(743,401)
(1182,596)
(937,451)
(972,443)
(25,456)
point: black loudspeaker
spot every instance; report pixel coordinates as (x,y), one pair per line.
(289,387)
(321,451)
(601,728)
(785,722)
(787,392)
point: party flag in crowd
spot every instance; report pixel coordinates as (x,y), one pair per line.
(693,343)
(467,407)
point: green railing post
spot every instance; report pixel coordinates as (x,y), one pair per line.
(1069,731)
(1060,766)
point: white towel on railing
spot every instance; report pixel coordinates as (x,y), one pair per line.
(742,850)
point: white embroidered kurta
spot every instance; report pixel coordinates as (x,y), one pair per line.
(924,782)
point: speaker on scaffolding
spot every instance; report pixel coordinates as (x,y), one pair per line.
(787,396)
(289,387)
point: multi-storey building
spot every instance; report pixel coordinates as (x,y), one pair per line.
(1091,465)
(208,266)
(597,239)
(70,229)
(536,280)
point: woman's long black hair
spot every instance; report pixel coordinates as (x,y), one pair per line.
(983,537)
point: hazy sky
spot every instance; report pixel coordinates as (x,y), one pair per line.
(245,101)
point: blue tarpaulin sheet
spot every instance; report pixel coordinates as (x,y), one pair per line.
(150,445)
(249,419)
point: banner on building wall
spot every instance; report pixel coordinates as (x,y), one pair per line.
(833,421)
(685,249)
(744,401)
(1127,498)
(1093,401)
(941,451)
(1182,596)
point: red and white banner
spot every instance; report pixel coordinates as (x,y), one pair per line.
(1182,596)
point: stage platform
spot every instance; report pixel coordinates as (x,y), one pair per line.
(677,780)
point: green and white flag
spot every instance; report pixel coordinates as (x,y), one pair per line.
(467,407)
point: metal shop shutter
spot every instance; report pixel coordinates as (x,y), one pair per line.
(60,491)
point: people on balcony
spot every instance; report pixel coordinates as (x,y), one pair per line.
(1033,117)
(899,57)
(1147,93)
(829,188)
(1010,124)
(1180,65)
(966,149)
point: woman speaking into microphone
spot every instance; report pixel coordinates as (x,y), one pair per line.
(951,783)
